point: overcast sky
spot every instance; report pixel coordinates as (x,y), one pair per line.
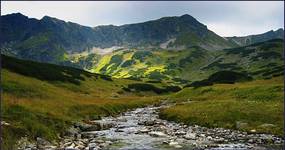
(224,18)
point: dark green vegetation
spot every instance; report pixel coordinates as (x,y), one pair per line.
(149,87)
(42,100)
(229,77)
(255,105)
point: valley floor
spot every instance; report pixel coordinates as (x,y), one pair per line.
(42,101)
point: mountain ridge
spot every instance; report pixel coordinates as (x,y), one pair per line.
(255,38)
(154,29)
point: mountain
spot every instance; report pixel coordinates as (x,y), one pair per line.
(251,39)
(51,40)
(171,49)
(177,31)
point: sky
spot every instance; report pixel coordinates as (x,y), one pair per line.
(236,18)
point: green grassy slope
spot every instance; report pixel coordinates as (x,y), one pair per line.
(42,100)
(255,105)
(260,60)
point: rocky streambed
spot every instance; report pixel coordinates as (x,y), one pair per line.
(142,129)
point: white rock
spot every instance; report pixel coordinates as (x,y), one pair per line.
(180,133)
(144,130)
(51,147)
(190,136)
(71,147)
(80,147)
(5,123)
(99,141)
(172,143)
(177,146)
(92,145)
(67,144)
(157,134)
